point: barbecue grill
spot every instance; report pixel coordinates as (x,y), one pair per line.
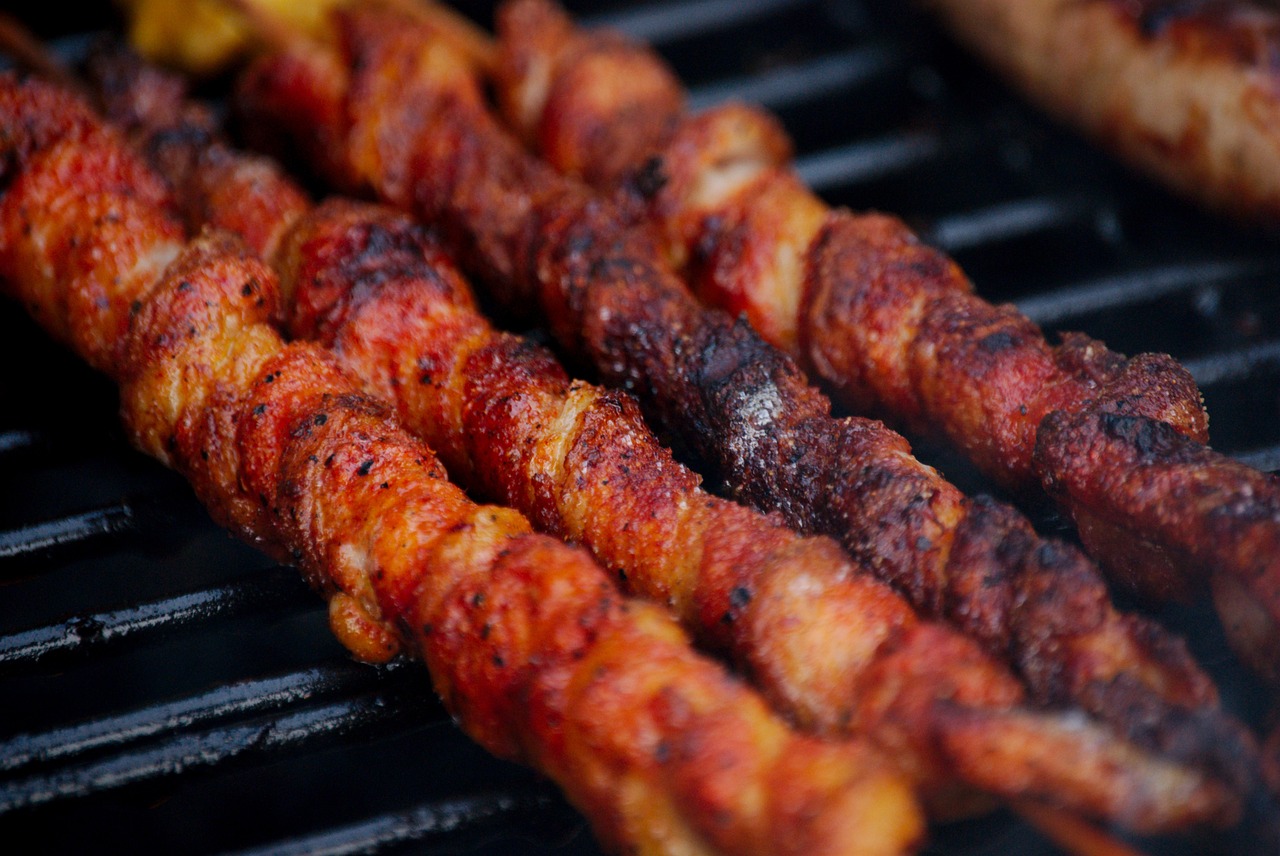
(167,689)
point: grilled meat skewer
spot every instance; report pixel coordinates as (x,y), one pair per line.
(329,97)
(526,638)
(1037,603)
(601,107)
(376,289)
(892,327)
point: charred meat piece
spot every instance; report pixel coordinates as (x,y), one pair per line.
(743,405)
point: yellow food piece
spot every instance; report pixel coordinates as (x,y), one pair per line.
(202,37)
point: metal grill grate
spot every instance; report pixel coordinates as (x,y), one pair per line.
(169,690)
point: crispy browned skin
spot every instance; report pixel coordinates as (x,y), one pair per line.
(375,288)
(892,328)
(526,638)
(1185,90)
(503,206)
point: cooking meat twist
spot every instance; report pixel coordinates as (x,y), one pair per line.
(526,638)
(375,287)
(294,89)
(892,327)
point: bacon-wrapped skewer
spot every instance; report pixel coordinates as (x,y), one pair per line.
(526,638)
(981,565)
(892,327)
(600,107)
(322,75)
(374,286)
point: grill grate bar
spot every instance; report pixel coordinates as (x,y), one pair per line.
(60,445)
(867,160)
(1266,459)
(54,643)
(1235,365)
(662,22)
(1018,218)
(80,529)
(378,714)
(19,440)
(1127,289)
(798,83)
(151,517)
(427,820)
(237,699)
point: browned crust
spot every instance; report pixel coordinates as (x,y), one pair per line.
(375,287)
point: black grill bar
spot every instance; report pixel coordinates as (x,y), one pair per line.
(1014,219)
(798,83)
(1266,459)
(664,21)
(1114,292)
(83,529)
(1236,364)
(148,518)
(299,729)
(51,645)
(512,811)
(236,699)
(18,440)
(869,160)
(30,446)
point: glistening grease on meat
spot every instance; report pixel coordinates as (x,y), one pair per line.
(376,288)
(1036,602)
